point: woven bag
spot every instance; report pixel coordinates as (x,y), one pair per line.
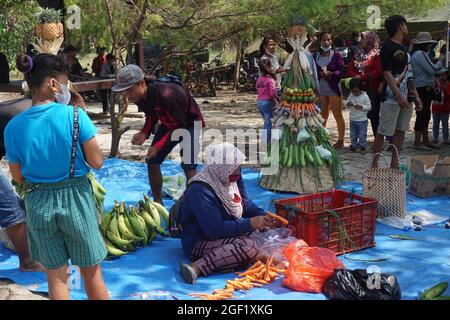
(388,186)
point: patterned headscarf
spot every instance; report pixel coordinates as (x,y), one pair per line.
(373,49)
(372,39)
(221,161)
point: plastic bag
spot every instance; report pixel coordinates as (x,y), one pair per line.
(360,285)
(302,135)
(174,186)
(272,242)
(324,153)
(309,267)
(420,217)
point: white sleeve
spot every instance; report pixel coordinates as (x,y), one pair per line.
(366,104)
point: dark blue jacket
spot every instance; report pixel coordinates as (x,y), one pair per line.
(209,219)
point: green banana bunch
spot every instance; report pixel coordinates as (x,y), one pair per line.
(124,230)
(99,193)
(112,250)
(159,214)
(20,189)
(137,226)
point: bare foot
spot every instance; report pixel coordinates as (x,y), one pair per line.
(31,266)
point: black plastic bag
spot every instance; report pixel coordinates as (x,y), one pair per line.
(359,285)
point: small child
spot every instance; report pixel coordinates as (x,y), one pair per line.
(267,96)
(359,101)
(441,107)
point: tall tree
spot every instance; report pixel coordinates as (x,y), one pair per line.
(123,34)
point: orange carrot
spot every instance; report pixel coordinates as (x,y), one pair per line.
(277,270)
(266,269)
(236,285)
(261,281)
(281,220)
(251,272)
(260,274)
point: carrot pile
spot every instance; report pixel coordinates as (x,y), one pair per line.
(256,276)
(298,110)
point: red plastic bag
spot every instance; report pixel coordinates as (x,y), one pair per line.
(309,267)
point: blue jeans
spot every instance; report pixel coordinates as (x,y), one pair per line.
(437,119)
(358,133)
(11,213)
(265,107)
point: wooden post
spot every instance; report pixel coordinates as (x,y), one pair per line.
(238,63)
(139,52)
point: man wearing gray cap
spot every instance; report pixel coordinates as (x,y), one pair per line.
(171,105)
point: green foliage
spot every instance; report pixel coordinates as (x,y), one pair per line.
(17,22)
(93,30)
(345,15)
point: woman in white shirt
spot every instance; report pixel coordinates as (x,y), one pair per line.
(267,49)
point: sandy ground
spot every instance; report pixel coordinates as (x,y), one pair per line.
(226,111)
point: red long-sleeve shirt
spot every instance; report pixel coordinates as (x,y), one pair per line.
(173,106)
(372,69)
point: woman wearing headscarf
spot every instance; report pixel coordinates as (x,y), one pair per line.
(366,65)
(217,215)
(330,69)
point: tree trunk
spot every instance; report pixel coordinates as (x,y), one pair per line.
(238,63)
(116,121)
(118,46)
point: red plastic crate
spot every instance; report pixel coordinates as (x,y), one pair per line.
(309,220)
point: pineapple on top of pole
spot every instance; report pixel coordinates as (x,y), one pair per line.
(49,31)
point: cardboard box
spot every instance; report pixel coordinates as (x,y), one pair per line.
(430,176)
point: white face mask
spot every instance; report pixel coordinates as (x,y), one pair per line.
(326,49)
(64,97)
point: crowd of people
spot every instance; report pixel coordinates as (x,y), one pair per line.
(381,73)
(217,214)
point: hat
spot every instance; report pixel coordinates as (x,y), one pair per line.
(128,77)
(424,37)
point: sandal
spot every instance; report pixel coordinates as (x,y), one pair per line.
(188,273)
(339,144)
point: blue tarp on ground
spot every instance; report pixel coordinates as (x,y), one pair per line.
(417,264)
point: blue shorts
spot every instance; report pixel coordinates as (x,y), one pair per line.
(189,149)
(11,207)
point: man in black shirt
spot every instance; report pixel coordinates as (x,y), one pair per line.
(395,111)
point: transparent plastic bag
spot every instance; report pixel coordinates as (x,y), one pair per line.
(302,135)
(272,242)
(309,267)
(174,186)
(324,153)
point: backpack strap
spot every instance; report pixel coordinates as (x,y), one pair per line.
(207,186)
(74,142)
